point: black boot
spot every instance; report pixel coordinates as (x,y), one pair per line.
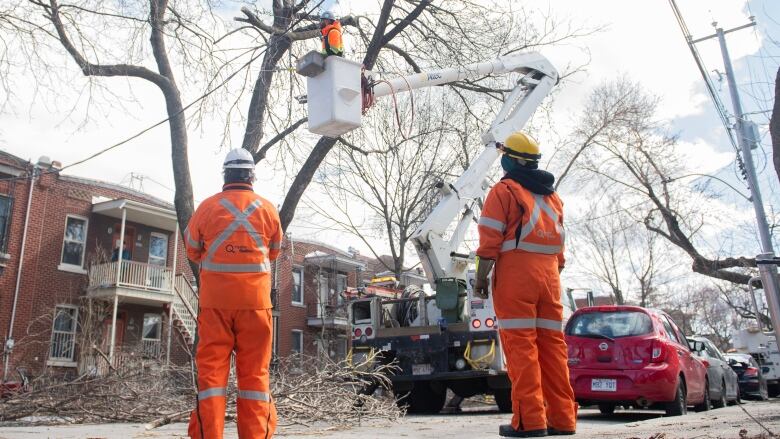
(507,430)
(552,431)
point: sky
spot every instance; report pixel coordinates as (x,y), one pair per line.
(640,40)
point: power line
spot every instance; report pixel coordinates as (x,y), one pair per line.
(719,107)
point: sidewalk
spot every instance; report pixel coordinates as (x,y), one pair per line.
(723,423)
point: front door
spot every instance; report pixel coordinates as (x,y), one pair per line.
(158,258)
(129,242)
(120,333)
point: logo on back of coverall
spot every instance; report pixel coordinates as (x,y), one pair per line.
(545,235)
(232,248)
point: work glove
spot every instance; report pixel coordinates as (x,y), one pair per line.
(481,280)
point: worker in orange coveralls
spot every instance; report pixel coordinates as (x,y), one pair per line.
(234,235)
(331,35)
(521,233)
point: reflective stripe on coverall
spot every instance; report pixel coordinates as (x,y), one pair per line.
(233,236)
(523,232)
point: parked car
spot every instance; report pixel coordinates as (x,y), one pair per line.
(752,383)
(724,385)
(633,356)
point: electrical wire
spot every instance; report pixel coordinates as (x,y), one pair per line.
(404,135)
(710,87)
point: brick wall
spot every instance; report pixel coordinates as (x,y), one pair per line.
(44,285)
(292,316)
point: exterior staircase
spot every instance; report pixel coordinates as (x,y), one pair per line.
(185,308)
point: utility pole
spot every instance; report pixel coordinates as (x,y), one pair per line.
(767,264)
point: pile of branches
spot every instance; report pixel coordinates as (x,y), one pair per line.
(306,391)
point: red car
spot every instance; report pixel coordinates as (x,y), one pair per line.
(632,356)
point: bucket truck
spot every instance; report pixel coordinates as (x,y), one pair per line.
(443,337)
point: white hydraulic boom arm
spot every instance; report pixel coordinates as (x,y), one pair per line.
(437,254)
(334,109)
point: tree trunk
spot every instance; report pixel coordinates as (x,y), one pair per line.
(774,126)
(277,47)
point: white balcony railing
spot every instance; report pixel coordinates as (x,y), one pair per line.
(151,348)
(132,274)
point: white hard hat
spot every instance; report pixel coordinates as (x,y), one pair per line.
(328,15)
(238,158)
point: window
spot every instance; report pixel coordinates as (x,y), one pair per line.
(297,341)
(63,333)
(712,352)
(670,334)
(680,336)
(297,292)
(610,324)
(150,336)
(152,326)
(341,286)
(5,217)
(74,241)
(158,249)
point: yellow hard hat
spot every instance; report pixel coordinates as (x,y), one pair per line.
(520,145)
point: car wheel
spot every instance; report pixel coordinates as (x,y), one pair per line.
(607,409)
(763,393)
(774,390)
(678,406)
(706,404)
(721,402)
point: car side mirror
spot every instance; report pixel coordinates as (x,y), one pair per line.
(696,346)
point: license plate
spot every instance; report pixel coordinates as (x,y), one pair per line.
(603,385)
(422,369)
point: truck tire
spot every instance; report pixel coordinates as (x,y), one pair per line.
(424,398)
(504,400)
(678,406)
(774,390)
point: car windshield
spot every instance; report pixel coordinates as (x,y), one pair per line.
(610,325)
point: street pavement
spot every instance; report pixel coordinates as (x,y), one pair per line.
(473,423)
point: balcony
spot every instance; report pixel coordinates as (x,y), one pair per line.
(145,284)
(127,358)
(329,315)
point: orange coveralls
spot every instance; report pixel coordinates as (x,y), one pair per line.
(523,232)
(331,39)
(233,236)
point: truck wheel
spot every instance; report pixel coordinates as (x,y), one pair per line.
(504,400)
(706,404)
(721,402)
(607,409)
(424,398)
(678,406)
(774,390)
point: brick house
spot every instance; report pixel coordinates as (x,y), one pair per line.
(67,298)
(65,233)
(310,313)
